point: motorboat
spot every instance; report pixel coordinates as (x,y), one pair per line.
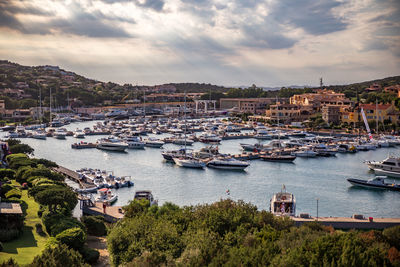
(79,133)
(306,153)
(391,164)
(283,203)
(206,152)
(209,138)
(106,144)
(60,134)
(39,135)
(182,141)
(153,142)
(377,182)
(189,162)
(147,195)
(134,142)
(262,134)
(106,196)
(277,157)
(82,145)
(228,164)
(347,148)
(169,155)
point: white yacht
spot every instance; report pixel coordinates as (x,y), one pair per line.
(228,164)
(391,164)
(283,203)
(134,142)
(209,138)
(60,133)
(106,144)
(79,133)
(189,162)
(182,141)
(154,142)
(38,134)
(305,153)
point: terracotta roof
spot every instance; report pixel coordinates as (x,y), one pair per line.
(373,106)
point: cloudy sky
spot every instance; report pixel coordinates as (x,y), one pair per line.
(224,42)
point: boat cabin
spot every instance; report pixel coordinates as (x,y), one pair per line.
(283,203)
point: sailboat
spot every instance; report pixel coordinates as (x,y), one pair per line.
(277,156)
(185,160)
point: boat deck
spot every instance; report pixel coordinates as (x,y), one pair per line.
(112,213)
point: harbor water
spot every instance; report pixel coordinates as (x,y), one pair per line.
(308,179)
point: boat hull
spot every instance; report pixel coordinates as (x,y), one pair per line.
(387,173)
(361,183)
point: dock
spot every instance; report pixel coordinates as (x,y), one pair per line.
(112,213)
(72,175)
(350,223)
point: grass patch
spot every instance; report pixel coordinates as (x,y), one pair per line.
(30,243)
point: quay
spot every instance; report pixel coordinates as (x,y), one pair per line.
(71,175)
(350,222)
(110,214)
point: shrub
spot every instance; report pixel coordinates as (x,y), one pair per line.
(74,238)
(59,255)
(33,173)
(95,225)
(56,223)
(90,255)
(15,161)
(47,163)
(21,148)
(7,235)
(13,193)
(39,188)
(6,173)
(9,263)
(5,188)
(20,172)
(392,236)
(1,246)
(56,198)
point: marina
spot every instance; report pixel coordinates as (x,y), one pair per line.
(308,178)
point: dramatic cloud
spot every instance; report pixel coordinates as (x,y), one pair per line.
(267,42)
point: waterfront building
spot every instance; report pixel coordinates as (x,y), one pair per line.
(331,113)
(248,105)
(393,89)
(287,113)
(321,98)
(373,112)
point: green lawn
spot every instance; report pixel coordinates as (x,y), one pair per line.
(30,243)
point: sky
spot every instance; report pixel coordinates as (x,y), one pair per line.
(223,42)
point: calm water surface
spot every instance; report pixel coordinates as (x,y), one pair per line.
(307,179)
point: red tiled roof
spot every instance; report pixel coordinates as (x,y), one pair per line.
(373,106)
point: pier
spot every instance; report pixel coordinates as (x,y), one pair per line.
(110,214)
(72,175)
(350,222)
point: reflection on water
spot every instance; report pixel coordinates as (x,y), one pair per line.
(308,179)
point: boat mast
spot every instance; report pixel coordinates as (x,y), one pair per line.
(40,105)
(184,118)
(144,102)
(376,117)
(279,135)
(50,108)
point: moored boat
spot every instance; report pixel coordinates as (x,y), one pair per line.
(283,203)
(377,182)
(228,164)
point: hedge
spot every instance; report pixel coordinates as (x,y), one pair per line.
(13,193)
(16,161)
(7,173)
(74,238)
(95,225)
(90,255)
(56,223)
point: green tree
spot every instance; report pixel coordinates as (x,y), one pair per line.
(59,255)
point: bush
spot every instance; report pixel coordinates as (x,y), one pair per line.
(7,235)
(33,173)
(15,161)
(59,255)
(21,148)
(20,172)
(90,255)
(13,193)
(39,188)
(47,163)
(9,263)
(392,236)
(6,173)
(1,246)
(74,238)
(56,223)
(5,188)
(94,225)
